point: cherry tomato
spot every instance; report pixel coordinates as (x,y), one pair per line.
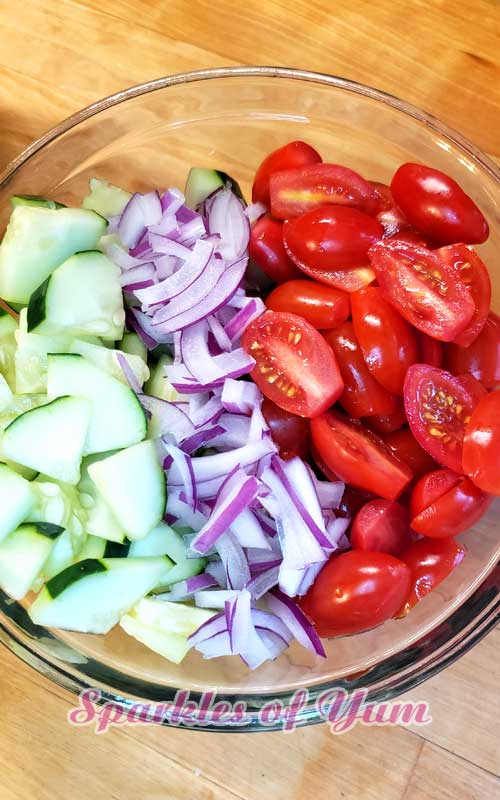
(481,358)
(436,205)
(431,351)
(470,270)
(330,238)
(387,423)
(406,448)
(481,457)
(438,407)
(358,457)
(352,501)
(458,507)
(289,432)
(385,200)
(356,591)
(424,289)
(430,562)
(393,221)
(362,394)
(293,154)
(345,280)
(389,345)
(382,526)
(295,191)
(295,367)
(322,306)
(473,386)
(267,250)
(408,237)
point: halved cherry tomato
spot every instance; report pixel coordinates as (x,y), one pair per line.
(438,407)
(295,191)
(345,280)
(431,351)
(356,591)
(389,345)
(436,205)
(409,237)
(424,289)
(481,358)
(295,367)
(481,457)
(385,200)
(473,386)
(405,447)
(352,501)
(382,526)
(393,221)
(330,238)
(289,432)
(267,250)
(362,395)
(293,154)
(445,504)
(322,306)
(387,423)
(358,457)
(430,562)
(471,271)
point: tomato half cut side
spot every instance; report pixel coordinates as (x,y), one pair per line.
(481,458)
(430,562)
(404,446)
(362,395)
(322,306)
(438,407)
(456,509)
(293,154)
(358,457)
(482,358)
(289,432)
(345,280)
(424,289)
(295,367)
(267,250)
(431,487)
(382,526)
(472,272)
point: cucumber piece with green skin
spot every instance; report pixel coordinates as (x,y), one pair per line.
(94,547)
(164,626)
(81,297)
(107,359)
(8,325)
(105,198)
(201,183)
(23,554)
(158,384)
(100,521)
(163,540)
(50,438)
(37,241)
(117,417)
(6,396)
(34,200)
(133,484)
(17,498)
(133,345)
(92,595)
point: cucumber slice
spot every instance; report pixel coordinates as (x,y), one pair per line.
(92,595)
(117,418)
(82,297)
(7,360)
(116,550)
(105,198)
(107,359)
(163,540)
(133,484)
(6,396)
(203,182)
(133,345)
(33,200)
(8,325)
(23,554)
(101,521)
(38,240)
(158,384)
(17,498)
(94,547)
(164,627)
(50,438)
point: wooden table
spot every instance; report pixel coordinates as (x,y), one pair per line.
(55,57)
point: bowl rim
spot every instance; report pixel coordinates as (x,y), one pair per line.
(415,664)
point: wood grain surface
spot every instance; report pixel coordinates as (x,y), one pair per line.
(59,55)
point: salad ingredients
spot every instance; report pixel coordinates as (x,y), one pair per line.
(266,248)
(471,271)
(430,562)
(481,455)
(292,155)
(381,526)
(406,448)
(289,432)
(481,358)
(322,306)
(445,504)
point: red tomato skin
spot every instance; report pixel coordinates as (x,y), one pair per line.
(382,526)
(295,191)
(295,367)
(431,351)
(388,423)
(471,271)
(405,447)
(481,455)
(424,289)
(436,205)
(482,358)
(358,457)
(430,488)
(388,343)
(430,562)
(356,591)
(362,395)
(473,386)
(409,237)
(289,432)
(455,511)
(352,501)
(385,200)
(393,221)
(322,306)
(293,154)
(267,250)
(345,280)
(330,238)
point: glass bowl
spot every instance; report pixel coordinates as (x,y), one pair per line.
(149,136)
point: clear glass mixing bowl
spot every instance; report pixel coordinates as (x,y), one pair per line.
(149,136)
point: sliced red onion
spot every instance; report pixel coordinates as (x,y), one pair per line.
(192,295)
(128,372)
(172,201)
(245,640)
(195,264)
(329,493)
(216,569)
(184,590)
(121,258)
(220,335)
(143,249)
(248,531)
(258,425)
(296,479)
(165,266)
(192,230)
(215,598)
(219,465)
(132,226)
(255,211)
(272,622)
(266,523)
(234,561)
(142,325)
(184,466)
(201,438)
(296,621)
(309,575)
(166,226)
(135,275)
(336,529)
(274,644)
(215,647)
(209,412)
(151,208)
(168,247)
(240,397)
(263,582)
(226,216)
(237,428)
(183,513)
(211,627)
(252,309)
(172,422)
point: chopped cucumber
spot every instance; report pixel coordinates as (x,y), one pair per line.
(105,198)
(203,182)
(82,297)
(159,385)
(7,360)
(132,483)
(101,521)
(23,554)
(133,345)
(20,403)
(94,547)
(38,240)
(33,200)
(50,438)
(31,360)
(116,550)
(117,418)
(8,325)
(6,396)
(107,359)
(92,595)
(163,540)
(17,498)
